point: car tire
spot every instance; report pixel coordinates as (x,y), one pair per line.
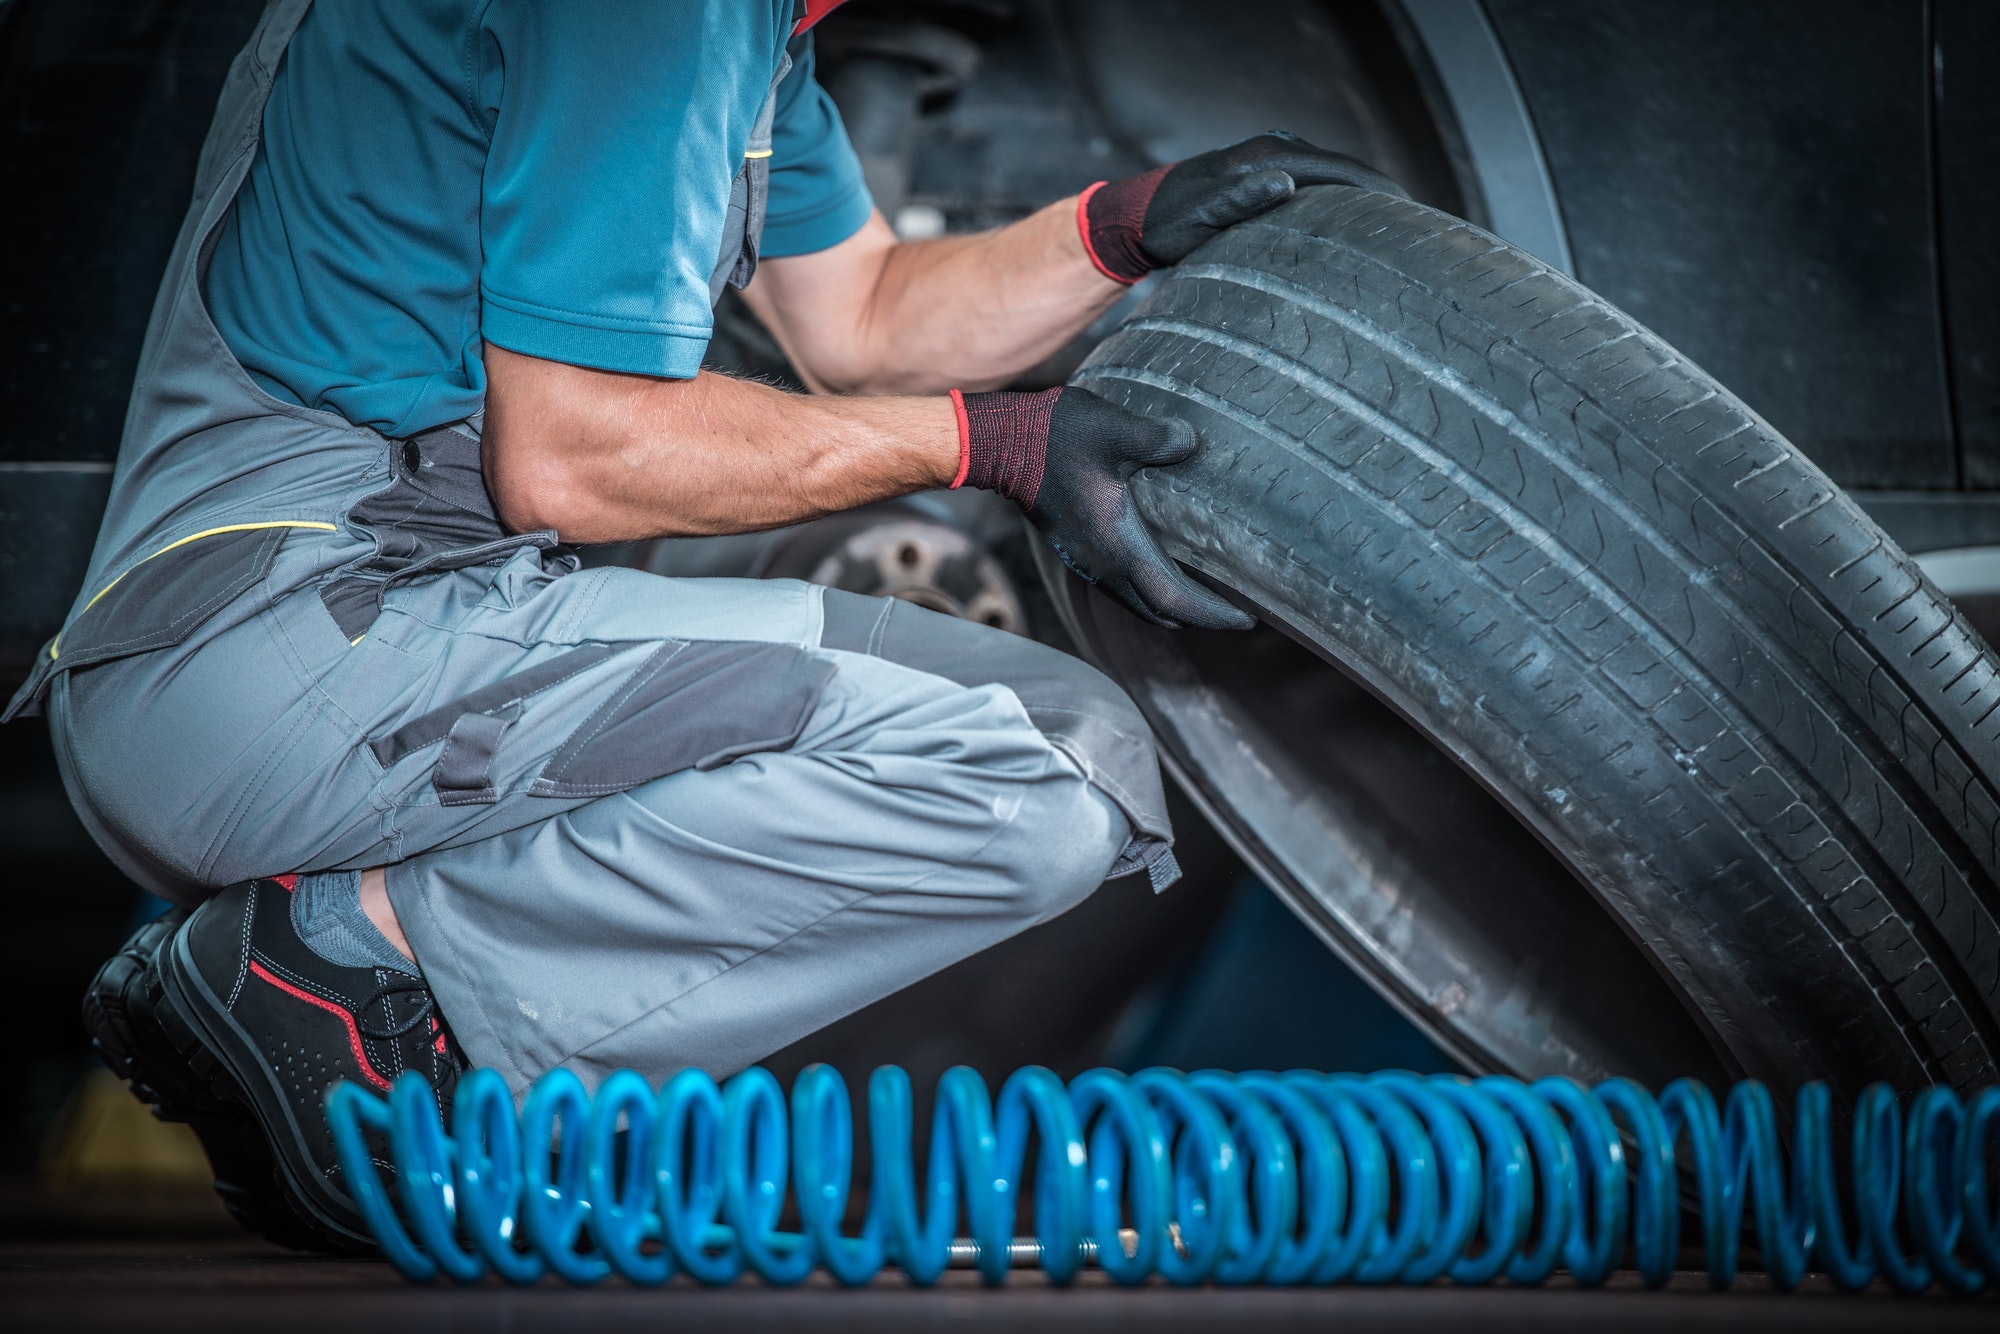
(1732,708)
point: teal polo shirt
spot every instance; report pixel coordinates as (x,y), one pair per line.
(552,175)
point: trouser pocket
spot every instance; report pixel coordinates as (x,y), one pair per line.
(433,517)
(159,602)
(558,729)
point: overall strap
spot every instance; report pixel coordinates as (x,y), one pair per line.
(225,158)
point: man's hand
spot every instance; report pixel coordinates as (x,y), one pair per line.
(1142,223)
(1067,457)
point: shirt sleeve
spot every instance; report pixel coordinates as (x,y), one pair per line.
(615,130)
(817,198)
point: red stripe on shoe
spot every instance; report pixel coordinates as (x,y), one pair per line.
(353,1029)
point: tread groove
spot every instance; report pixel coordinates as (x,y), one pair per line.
(1826,742)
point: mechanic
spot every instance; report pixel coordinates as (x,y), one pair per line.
(438,313)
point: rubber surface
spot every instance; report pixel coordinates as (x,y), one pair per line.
(141,1038)
(213,1038)
(1638,615)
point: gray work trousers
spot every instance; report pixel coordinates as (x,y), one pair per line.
(629,820)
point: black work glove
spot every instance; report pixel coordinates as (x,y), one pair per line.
(1066,457)
(1147,222)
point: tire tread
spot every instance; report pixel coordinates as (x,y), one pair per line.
(1647,567)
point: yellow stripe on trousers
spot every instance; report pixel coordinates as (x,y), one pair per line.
(56,643)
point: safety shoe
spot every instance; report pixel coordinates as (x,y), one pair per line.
(275,1026)
(121,1013)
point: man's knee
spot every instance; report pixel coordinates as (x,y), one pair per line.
(1057,850)
(1081,711)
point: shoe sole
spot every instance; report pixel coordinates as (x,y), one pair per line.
(217,1036)
(160,1074)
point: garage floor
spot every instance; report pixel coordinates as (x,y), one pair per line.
(221,1282)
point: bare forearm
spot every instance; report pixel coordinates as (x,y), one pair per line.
(973,312)
(602,457)
(966,312)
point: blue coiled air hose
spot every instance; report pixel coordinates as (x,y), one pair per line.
(1290,1178)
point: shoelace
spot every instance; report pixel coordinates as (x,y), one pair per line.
(425,1010)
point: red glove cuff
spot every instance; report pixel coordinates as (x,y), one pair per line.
(1003,442)
(1111,216)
